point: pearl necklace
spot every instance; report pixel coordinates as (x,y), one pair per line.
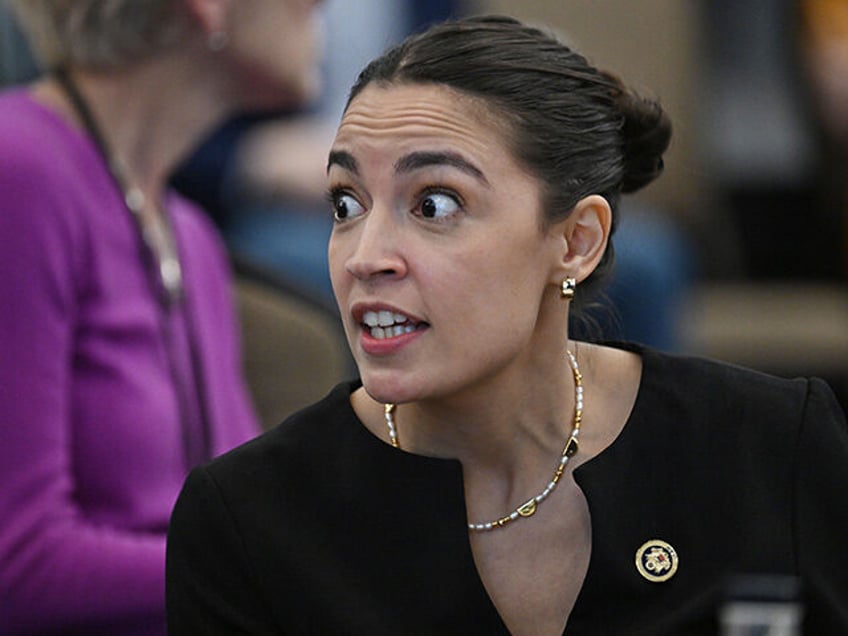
(528,508)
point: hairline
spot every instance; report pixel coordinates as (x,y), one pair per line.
(501,119)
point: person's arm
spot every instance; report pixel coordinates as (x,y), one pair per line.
(211,588)
(822,512)
(57,569)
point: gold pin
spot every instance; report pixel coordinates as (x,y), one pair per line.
(656,561)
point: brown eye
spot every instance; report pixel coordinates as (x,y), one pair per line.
(429,208)
(438,205)
(346,207)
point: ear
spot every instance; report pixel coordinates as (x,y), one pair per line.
(210,15)
(585,234)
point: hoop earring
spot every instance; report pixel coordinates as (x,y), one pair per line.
(569,286)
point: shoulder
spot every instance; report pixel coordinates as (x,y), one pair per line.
(46,173)
(715,409)
(303,446)
(715,423)
(45,166)
(190,218)
(716,386)
(684,383)
(29,131)
(19,113)
(283,472)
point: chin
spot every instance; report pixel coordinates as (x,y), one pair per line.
(300,87)
(379,392)
(388,390)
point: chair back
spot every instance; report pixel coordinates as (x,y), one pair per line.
(293,344)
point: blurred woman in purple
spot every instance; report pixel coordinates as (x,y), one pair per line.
(120,364)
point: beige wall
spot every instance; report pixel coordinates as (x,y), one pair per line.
(652,45)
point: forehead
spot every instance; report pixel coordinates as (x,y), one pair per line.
(400,117)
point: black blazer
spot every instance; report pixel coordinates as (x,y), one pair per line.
(318,527)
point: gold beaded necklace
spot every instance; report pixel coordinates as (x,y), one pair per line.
(528,508)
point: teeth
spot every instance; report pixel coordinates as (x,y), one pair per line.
(383,318)
(379,333)
(387,324)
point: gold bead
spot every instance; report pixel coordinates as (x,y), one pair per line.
(528,508)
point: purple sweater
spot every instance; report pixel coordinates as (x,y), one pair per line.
(92,454)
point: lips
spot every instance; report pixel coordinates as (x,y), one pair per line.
(384,324)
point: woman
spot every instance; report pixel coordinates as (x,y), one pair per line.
(120,365)
(488,475)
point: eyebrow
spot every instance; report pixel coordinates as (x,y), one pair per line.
(415,160)
(344,160)
(411,162)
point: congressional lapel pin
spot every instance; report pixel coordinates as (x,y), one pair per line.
(656,561)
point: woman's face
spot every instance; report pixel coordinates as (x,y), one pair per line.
(437,258)
(276,45)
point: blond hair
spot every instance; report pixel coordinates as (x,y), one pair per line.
(100,33)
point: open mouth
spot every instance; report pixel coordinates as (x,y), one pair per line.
(388,324)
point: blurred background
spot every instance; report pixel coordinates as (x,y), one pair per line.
(740,251)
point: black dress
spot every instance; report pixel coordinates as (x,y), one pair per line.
(318,527)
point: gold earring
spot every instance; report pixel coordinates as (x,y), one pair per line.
(569,285)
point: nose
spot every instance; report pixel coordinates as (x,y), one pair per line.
(376,252)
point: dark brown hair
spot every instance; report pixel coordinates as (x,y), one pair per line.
(578,129)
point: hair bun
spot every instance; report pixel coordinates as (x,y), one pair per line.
(646,132)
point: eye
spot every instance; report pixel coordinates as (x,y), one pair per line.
(345,206)
(438,205)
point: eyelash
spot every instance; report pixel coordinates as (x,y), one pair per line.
(436,189)
(333,194)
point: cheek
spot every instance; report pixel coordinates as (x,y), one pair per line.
(511,260)
(286,45)
(339,251)
(509,291)
(335,260)
(493,288)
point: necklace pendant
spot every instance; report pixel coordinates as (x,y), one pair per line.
(527,509)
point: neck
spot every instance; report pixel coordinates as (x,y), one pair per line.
(151,115)
(527,414)
(519,456)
